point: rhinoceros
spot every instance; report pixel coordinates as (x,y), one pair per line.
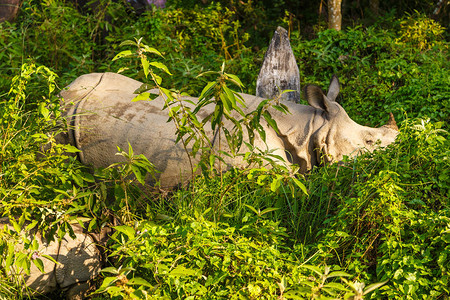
(103,117)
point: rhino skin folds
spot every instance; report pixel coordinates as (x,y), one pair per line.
(104,117)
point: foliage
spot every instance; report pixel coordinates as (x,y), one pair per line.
(389,215)
(383,216)
(31,174)
(42,186)
(412,80)
(421,31)
(228,108)
(213,260)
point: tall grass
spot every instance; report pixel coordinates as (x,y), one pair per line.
(381,216)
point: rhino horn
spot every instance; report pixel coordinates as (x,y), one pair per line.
(391,122)
(279,70)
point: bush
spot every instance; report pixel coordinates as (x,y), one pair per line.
(379,74)
(216,261)
(382,216)
(389,214)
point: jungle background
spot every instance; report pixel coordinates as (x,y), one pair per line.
(382,219)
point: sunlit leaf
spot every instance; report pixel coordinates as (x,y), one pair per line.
(235,80)
(270,209)
(312,268)
(271,121)
(151,50)
(128,43)
(39,264)
(374,286)
(70,149)
(127,230)
(300,185)
(252,209)
(139,281)
(122,54)
(182,271)
(160,66)
(145,65)
(206,89)
(142,96)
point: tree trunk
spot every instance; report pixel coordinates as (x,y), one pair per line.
(334,14)
(375,7)
(9,10)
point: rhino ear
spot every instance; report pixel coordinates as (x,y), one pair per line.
(316,98)
(333,90)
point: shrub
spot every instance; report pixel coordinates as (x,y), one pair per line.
(389,214)
(216,261)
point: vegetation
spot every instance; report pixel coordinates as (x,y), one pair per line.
(377,226)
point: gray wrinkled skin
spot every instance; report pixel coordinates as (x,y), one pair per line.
(79,261)
(103,117)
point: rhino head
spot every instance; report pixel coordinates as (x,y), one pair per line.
(339,135)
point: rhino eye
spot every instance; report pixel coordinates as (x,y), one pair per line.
(369,142)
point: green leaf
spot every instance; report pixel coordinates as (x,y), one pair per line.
(139,281)
(44,111)
(107,282)
(337,286)
(446,236)
(128,43)
(287,91)
(212,159)
(276,183)
(181,271)
(300,185)
(151,50)
(227,105)
(111,270)
(252,209)
(142,96)
(34,245)
(157,78)
(31,225)
(160,66)
(39,264)
(207,73)
(206,89)
(122,54)
(270,209)
(144,88)
(297,293)
(140,176)
(235,80)
(374,286)
(10,256)
(145,65)
(16,226)
(338,274)
(127,230)
(70,149)
(313,268)
(281,108)
(270,121)
(230,95)
(49,258)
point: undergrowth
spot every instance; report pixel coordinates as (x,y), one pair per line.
(380,218)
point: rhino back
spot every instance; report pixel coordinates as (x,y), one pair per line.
(106,117)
